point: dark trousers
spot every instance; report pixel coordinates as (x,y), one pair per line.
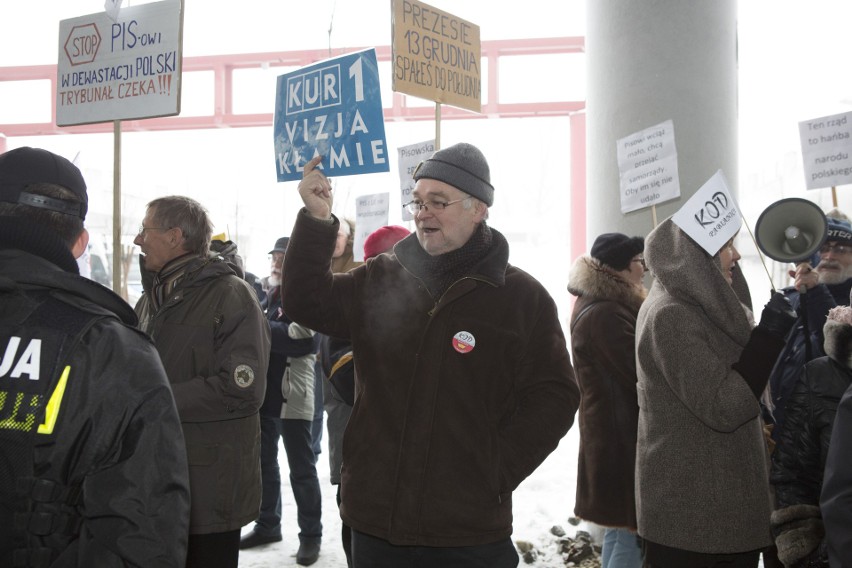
(214,550)
(371,552)
(345,534)
(770,558)
(660,556)
(298,445)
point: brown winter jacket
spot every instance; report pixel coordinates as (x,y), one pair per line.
(214,342)
(604,353)
(439,436)
(702,469)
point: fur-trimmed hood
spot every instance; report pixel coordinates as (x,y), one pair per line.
(838,342)
(589,277)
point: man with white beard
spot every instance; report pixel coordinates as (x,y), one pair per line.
(828,286)
(287,414)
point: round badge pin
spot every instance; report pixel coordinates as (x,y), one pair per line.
(243,376)
(464,342)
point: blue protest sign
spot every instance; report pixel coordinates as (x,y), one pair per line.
(334,109)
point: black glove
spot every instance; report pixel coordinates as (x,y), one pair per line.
(778,316)
(765,343)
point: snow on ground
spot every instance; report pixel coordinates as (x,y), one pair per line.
(543,500)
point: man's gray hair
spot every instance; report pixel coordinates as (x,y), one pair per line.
(188,215)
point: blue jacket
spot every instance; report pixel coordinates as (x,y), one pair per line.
(283,347)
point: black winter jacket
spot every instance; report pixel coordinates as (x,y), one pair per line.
(789,365)
(117,437)
(799,459)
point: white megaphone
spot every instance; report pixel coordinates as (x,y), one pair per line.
(791,230)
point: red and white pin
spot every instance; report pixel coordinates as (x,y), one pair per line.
(464,342)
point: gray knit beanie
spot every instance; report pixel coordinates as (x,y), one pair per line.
(462,166)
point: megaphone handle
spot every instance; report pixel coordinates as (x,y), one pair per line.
(806,328)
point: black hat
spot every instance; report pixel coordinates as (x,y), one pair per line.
(616,250)
(462,166)
(25,166)
(281,245)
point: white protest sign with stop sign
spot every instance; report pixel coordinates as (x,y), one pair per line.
(711,217)
(122,69)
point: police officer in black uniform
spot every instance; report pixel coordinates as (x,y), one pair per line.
(92,462)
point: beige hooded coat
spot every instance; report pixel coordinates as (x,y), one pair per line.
(702,464)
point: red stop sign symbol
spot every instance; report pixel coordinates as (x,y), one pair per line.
(82,44)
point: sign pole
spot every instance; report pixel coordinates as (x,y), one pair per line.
(437,126)
(834,196)
(654,214)
(116,209)
(759,254)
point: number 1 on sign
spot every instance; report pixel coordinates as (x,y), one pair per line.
(356,72)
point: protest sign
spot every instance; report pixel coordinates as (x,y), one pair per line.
(647,167)
(333,109)
(371,212)
(711,216)
(409,158)
(826,147)
(435,55)
(120,69)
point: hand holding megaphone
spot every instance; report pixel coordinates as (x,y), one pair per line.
(805,277)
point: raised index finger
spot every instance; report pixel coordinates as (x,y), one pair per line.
(311,166)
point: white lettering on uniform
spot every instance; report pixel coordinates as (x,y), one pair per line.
(29,362)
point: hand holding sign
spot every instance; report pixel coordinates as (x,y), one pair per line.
(315,190)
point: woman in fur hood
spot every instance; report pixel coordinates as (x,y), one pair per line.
(798,462)
(609,290)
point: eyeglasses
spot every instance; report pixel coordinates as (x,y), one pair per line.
(415,206)
(836,249)
(640,261)
(143,228)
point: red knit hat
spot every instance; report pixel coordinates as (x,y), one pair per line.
(382,240)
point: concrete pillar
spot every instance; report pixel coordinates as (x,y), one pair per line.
(652,61)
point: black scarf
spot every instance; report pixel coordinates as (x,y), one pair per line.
(441,271)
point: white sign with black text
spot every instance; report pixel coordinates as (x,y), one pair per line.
(711,216)
(647,167)
(826,150)
(371,212)
(409,158)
